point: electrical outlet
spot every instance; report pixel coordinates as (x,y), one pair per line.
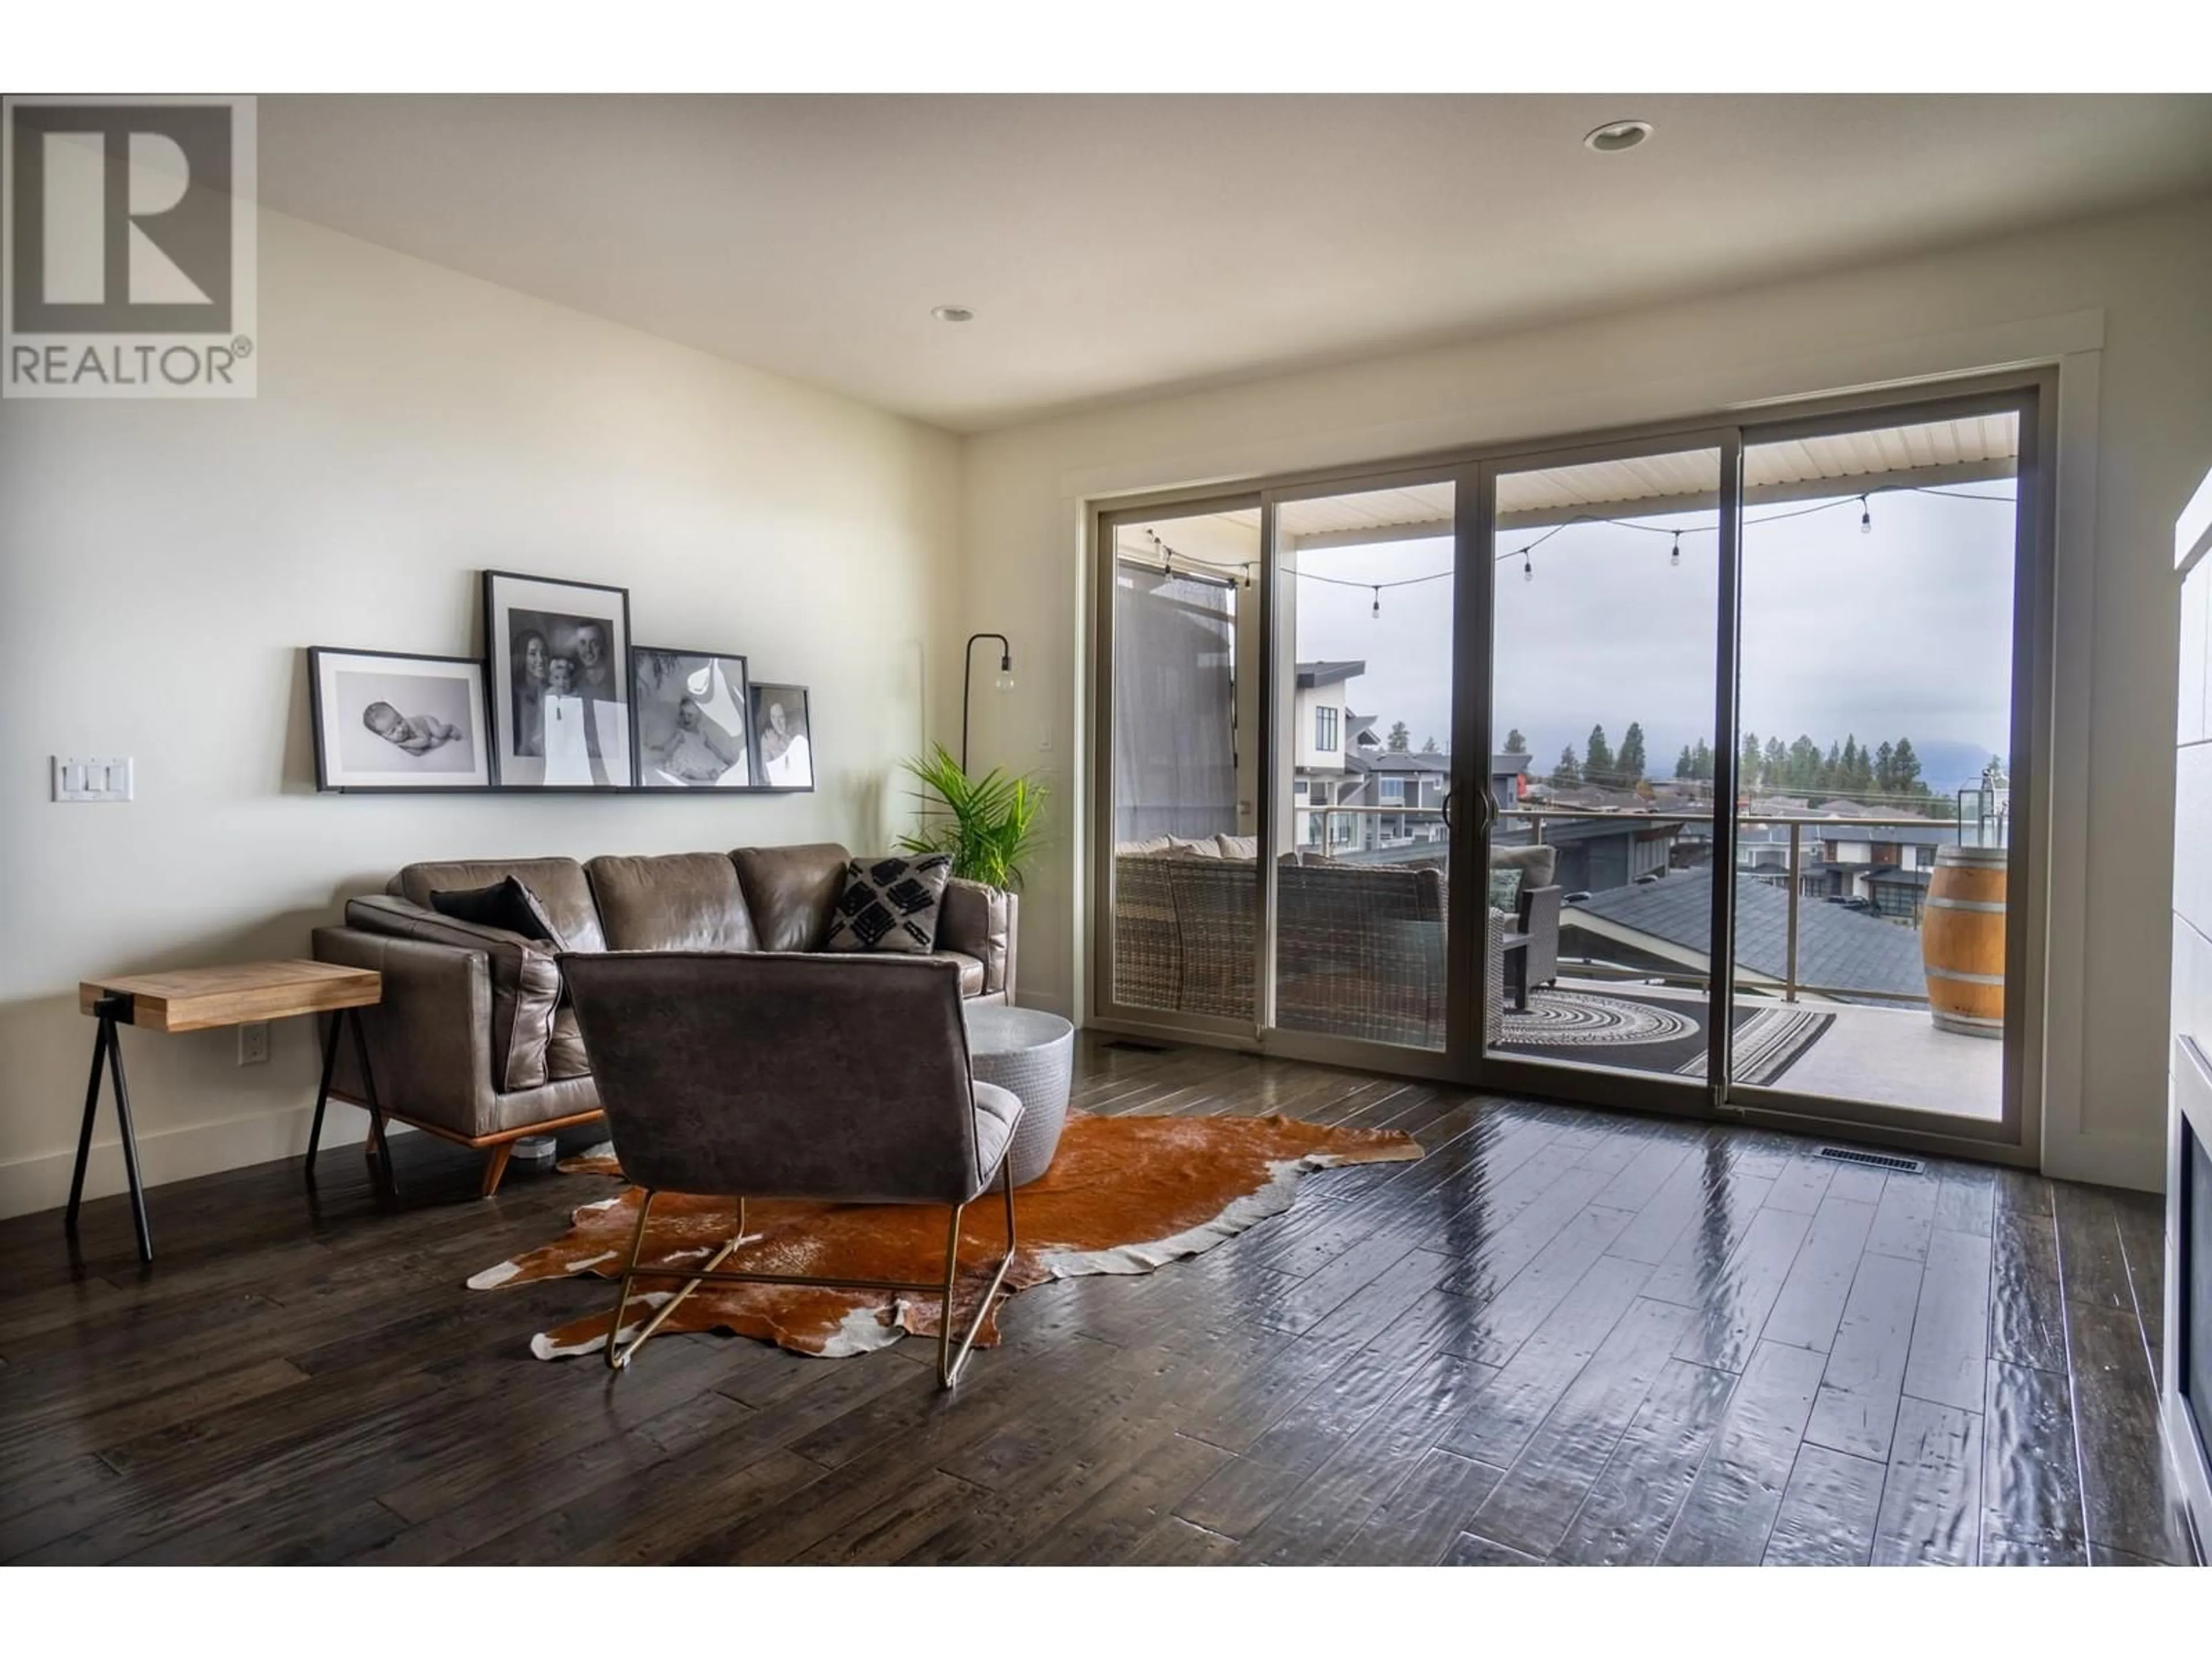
(253,1043)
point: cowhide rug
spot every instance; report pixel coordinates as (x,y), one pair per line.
(1124,1195)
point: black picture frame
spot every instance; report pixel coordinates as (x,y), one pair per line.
(645,747)
(767,775)
(335,776)
(558,601)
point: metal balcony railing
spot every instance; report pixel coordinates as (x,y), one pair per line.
(1837,828)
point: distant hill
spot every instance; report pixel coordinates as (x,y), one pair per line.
(1946,767)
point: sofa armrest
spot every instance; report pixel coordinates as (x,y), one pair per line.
(526,980)
(1539,920)
(979,922)
(429,1038)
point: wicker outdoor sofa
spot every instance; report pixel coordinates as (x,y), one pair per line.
(1360,946)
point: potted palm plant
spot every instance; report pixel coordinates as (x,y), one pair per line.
(989,825)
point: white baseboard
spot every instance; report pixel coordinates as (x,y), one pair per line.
(2105,1160)
(32,1184)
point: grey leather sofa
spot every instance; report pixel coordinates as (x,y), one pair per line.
(475,1040)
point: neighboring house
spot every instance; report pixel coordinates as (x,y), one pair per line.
(1321,733)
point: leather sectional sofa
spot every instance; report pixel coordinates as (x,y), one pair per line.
(475,1040)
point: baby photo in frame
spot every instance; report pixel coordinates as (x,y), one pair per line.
(390,719)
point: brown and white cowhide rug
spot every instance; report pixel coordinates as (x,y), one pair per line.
(1124,1195)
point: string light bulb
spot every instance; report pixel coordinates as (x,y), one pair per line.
(1866,518)
(1528,567)
(1378,601)
(1675,557)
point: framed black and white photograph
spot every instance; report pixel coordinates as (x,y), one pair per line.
(688,720)
(783,739)
(385,719)
(558,653)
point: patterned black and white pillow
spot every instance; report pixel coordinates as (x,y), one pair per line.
(889,903)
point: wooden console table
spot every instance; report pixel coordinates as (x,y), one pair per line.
(206,999)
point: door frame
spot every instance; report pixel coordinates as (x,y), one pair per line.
(2014,1138)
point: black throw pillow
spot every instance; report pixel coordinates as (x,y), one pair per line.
(889,903)
(507,904)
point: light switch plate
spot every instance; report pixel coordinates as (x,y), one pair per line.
(93,777)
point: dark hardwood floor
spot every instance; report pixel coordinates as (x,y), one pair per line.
(1564,1336)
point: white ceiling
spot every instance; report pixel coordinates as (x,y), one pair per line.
(1115,245)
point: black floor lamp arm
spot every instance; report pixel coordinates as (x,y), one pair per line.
(967,680)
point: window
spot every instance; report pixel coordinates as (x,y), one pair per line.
(1325,728)
(1299,788)
(1391,791)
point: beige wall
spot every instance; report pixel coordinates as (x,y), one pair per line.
(162,566)
(2121,303)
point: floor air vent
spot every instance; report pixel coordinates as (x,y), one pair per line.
(1872,1160)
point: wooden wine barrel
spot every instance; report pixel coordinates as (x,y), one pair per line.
(1962,940)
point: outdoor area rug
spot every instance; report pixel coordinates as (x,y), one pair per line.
(1124,1195)
(1659,1034)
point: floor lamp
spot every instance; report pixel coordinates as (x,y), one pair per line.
(1004,681)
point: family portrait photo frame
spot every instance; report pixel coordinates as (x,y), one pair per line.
(557,657)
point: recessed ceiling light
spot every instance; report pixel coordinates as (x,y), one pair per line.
(952,313)
(1617,136)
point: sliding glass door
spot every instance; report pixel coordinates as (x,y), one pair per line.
(1689,769)
(1362,752)
(1603,569)
(1885,600)
(1177,893)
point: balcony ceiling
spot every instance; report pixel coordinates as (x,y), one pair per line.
(1937,452)
(1113,247)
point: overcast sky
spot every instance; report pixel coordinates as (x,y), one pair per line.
(1906,632)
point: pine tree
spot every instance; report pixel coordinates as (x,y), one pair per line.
(1628,765)
(1885,769)
(1803,773)
(1400,739)
(1515,743)
(1597,757)
(1428,745)
(1684,765)
(1701,762)
(1746,763)
(1904,770)
(1567,775)
(1774,765)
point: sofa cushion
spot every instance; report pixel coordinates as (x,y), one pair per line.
(564,1054)
(971,971)
(525,980)
(508,905)
(559,885)
(1535,864)
(677,902)
(891,904)
(789,891)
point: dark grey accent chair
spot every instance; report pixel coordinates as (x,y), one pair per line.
(1536,915)
(843,1079)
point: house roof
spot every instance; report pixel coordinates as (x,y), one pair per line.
(1397,759)
(1835,947)
(1328,673)
(1901,834)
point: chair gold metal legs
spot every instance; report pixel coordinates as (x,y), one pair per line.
(950,1363)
